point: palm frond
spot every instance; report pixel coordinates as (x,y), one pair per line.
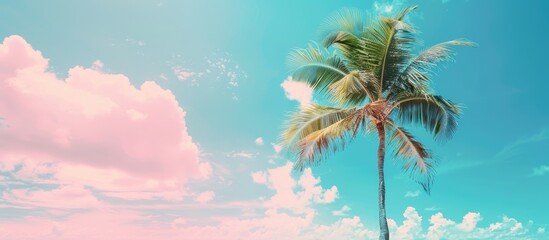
(317,67)
(437,114)
(416,159)
(387,46)
(343,31)
(403,12)
(417,72)
(355,88)
(348,20)
(316,146)
(309,120)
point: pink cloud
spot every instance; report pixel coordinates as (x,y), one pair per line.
(272,224)
(91,118)
(277,147)
(259,177)
(299,91)
(205,197)
(182,74)
(79,198)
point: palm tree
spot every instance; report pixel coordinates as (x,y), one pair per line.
(375,83)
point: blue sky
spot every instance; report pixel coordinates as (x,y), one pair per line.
(225,61)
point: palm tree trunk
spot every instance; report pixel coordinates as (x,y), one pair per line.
(383,228)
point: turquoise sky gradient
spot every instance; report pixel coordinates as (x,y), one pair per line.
(235,52)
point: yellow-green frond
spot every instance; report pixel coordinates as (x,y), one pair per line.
(316,146)
(387,45)
(415,159)
(355,88)
(311,119)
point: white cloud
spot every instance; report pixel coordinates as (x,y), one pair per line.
(259,141)
(412,194)
(432,209)
(308,189)
(299,91)
(469,222)
(343,229)
(411,226)
(541,230)
(383,7)
(241,154)
(438,226)
(341,212)
(540,171)
(442,228)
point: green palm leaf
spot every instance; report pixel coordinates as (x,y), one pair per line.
(417,73)
(387,46)
(348,20)
(437,114)
(313,66)
(355,88)
(343,31)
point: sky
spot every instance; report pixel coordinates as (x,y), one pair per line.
(160,119)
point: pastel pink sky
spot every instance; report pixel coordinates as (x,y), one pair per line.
(91,156)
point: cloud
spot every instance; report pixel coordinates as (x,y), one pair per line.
(438,226)
(179,221)
(205,197)
(412,194)
(92,124)
(280,180)
(277,147)
(540,171)
(182,74)
(98,65)
(469,222)
(272,223)
(442,228)
(92,146)
(341,212)
(383,7)
(411,226)
(343,229)
(259,141)
(241,154)
(387,7)
(80,198)
(298,91)
(432,209)
(259,177)
(512,148)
